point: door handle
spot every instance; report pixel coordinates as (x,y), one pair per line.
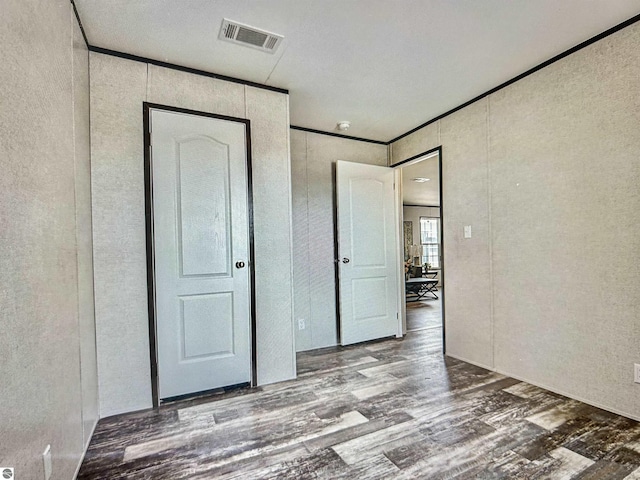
(345,260)
(239,264)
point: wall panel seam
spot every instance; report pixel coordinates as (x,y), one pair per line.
(291,253)
(75,218)
(93,260)
(490,230)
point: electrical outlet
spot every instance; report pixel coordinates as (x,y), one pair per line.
(636,372)
(46,458)
(301,324)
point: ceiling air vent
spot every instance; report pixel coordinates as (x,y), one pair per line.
(249,36)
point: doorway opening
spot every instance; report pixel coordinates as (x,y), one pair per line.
(422,245)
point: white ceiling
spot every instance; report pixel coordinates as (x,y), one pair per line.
(427,193)
(385,65)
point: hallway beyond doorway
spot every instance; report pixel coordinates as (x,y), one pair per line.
(424,314)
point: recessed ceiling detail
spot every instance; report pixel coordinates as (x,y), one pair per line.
(247,36)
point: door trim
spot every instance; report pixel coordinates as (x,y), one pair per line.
(150,248)
(442,250)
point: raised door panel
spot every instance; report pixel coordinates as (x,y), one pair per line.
(206,326)
(204,207)
(367,222)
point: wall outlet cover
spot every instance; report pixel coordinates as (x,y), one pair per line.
(46,458)
(636,372)
(301,324)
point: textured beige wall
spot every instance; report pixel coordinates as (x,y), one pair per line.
(41,398)
(564,175)
(547,171)
(467,260)
(300,220)
(313,160)
(269,115)
(414,144)
(118,89)
(119,255)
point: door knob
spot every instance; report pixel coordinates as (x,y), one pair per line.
(345,260)
(239,264)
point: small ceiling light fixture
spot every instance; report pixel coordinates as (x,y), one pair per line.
(420,179)
(343,126)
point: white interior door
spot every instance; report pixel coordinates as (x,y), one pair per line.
(367,249)
(201,244)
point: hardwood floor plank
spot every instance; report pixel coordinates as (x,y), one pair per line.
(357,431)
(374,443)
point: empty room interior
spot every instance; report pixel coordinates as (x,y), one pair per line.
(320,239)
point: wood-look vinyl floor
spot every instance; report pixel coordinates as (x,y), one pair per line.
(391,409)
(425,313)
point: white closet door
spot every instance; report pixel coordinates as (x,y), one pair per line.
(201,243)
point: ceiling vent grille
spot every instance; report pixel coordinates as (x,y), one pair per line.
(249,36)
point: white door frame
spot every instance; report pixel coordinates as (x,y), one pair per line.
(401,289)
(151,287)
(402,305)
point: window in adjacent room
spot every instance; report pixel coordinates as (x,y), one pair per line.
(430,239)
